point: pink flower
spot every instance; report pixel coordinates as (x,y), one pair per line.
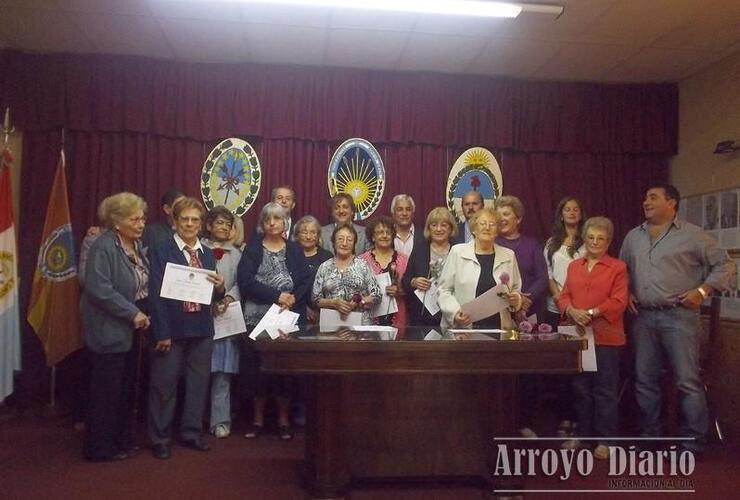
(505,279)
(356,298)
(526,327)
(544,328)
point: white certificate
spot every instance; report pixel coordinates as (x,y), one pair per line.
(588,357)
(429,298)
(330,320)
(188,284)
(273,320)
(230,322)
(388,304)
(488,304)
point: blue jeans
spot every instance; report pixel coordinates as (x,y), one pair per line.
(597,395)
(671,335)
(220,400)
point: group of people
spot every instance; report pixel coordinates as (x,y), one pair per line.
(665,269)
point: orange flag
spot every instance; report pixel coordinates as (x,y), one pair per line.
(54,308)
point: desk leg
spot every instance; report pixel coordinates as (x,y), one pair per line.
(326,469)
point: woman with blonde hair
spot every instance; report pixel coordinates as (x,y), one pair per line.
(113,306)
(426,263)
(475,267)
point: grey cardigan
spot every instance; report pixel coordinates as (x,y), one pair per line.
(107,302)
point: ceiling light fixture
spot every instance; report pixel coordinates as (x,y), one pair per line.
(474,8)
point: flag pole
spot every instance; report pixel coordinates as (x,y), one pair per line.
(7,129)
(53,375)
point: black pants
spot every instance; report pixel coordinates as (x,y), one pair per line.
(110,406)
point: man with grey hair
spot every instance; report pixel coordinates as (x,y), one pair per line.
(472,201)
(673,266)
(285,197)
(402,211)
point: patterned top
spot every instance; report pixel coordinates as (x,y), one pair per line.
(273,272)
(334,283)
(139,266)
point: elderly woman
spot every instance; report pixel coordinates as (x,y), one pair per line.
(343,209)
(534,288)
(563,247)
(426,263)
(595,295)
(225,357)
(345,277)
(307,234)
(182,335)
(113,309)
(272,271)
(528,254)
(383,258)
(472,269)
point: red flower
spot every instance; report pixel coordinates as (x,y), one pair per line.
(218,253)
(356,298)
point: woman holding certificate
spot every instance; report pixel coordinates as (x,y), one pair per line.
(383,258)
(271,271)
(345,283)
(425,265)
(182,333)
(595,295)
(225,358)
(475,267)
(113,306)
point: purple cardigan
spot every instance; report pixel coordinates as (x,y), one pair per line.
(533,268)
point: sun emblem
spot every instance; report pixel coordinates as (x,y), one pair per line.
(356,169)
(477,157)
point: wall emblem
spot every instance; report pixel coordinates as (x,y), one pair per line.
(475,170)
(356,169)
(231,176)
(57,257)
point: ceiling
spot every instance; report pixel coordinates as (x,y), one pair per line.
(594,40)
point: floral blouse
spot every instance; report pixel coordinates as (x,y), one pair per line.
(334,283)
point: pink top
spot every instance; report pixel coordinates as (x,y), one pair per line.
(402,261)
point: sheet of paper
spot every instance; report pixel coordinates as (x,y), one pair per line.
(384,332)
(387,305)
(487,304)
(329,320)
(275,331)
(433,335)
(275,318)
(429,298)
(588,357)
(231,322)
(188,284)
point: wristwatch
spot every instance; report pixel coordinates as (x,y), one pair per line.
(703,292)
(591,313)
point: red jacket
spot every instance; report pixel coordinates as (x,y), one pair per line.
(605,288)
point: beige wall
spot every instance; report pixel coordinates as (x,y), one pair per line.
(709,112)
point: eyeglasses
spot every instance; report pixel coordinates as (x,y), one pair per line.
(136,220)
(486,223)
(381,232)
(194,220)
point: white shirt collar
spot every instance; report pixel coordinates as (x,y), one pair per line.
(181,244)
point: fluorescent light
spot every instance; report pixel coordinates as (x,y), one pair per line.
(476,8)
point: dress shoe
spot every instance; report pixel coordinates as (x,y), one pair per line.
(196,444)
(161,451)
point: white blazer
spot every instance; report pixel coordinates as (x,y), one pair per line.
(459,280)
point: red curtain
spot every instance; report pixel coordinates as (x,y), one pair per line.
(144,125)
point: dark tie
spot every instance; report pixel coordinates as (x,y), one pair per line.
(191,307)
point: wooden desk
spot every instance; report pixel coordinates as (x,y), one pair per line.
(411,409)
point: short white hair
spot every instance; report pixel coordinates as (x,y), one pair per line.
(402,197)
(271,209)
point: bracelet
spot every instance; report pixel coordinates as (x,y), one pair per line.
(703,292)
